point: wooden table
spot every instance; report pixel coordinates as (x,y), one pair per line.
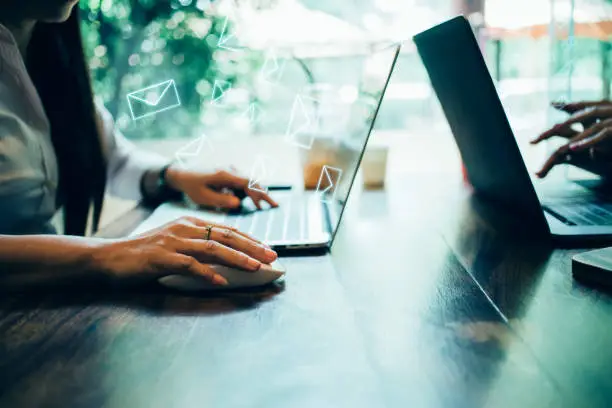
(428,299)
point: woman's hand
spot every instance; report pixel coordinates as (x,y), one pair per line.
(208,189)
(591,146)
(181,247)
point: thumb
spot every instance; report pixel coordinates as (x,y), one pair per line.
(565,107)
(213,198)
(573,107)
(226,179)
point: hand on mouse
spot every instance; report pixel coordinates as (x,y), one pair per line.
(591,146)
(180,248)
(207,189)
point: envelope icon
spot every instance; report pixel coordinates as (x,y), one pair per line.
(227,40)
(272,68)
(261,174)
(153,99)
(328,182)
(303,122)
(219,92)
(253,113)
(195,149)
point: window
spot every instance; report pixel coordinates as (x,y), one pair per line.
(537,51)
(136,44)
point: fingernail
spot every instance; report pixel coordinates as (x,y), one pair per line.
(270,254)
(574,146)
(254,264)
(220,280)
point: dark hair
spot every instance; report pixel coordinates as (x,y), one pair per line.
(57,65)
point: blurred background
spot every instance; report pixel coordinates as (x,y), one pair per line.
(537,51)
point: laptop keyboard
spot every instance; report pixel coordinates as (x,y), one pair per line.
(288,222)
(582,213)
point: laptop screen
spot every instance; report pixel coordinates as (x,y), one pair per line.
(338,161)
(467,94)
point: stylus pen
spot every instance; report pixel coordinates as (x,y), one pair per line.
(241,194)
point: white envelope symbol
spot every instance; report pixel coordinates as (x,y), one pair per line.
(260,174)
(328,182)
(272,68)
(153,99)
(193,149)
(227,41)
(303,122)
(253,113)
(220,88)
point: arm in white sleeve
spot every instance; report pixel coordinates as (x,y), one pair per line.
(126,164)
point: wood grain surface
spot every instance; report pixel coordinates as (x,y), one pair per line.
(422,302)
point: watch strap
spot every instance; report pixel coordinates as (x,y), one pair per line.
(160,191)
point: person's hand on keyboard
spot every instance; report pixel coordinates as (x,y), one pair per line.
(221,189)
(589,147)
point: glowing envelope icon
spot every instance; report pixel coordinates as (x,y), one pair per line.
(193,150)
(153,99)
(219,92)
(328,183)
(303,122)
(272,68)
(227,40)
(261,173)
(252,113)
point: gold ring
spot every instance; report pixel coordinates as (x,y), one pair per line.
(208,231)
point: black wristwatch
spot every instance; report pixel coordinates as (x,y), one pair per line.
(155,188)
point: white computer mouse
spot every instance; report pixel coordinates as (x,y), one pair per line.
(236,278)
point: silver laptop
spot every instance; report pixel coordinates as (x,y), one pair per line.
(566,211)
(307,220)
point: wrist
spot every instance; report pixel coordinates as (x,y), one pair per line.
(99,259)
(173,177)
(156,188)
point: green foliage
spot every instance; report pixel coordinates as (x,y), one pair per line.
(132,44)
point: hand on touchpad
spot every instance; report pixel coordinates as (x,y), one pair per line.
(236,278)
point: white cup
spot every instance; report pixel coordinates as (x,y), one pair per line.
(374,166)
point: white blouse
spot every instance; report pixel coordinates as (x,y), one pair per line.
(28,165)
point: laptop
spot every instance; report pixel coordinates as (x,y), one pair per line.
(307,220)
(495,168)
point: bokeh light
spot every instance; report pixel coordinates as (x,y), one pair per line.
(134,60)
(157,59)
